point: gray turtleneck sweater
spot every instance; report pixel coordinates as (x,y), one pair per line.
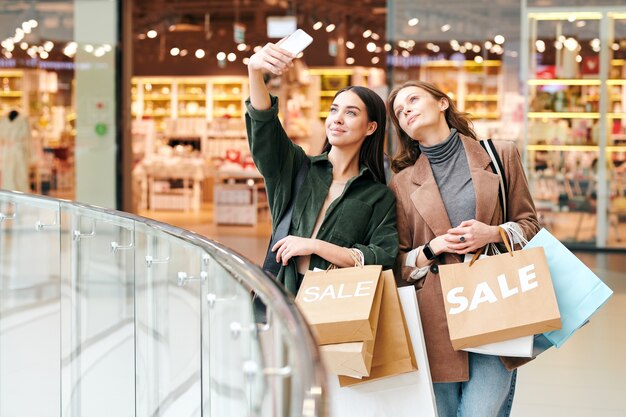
(451,170)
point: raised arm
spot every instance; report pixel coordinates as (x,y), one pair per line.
(270,58)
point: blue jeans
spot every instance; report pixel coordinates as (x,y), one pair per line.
(488,393)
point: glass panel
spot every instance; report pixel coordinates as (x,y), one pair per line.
(168,322)
(29,306)
(564,89)
(616,149)
(98,314)
(233,383)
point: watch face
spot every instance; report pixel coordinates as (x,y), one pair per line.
(428,252)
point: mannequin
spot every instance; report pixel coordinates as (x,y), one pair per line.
(15,150)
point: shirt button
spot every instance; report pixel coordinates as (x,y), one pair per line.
(434,269)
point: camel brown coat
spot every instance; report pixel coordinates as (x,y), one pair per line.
(422,216)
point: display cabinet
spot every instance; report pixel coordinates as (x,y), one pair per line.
(239,197)
(226,97)
(575,124)
(161,98)
(12,93)
(476,87)
(331,80)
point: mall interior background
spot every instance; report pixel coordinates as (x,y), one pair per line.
(165,81)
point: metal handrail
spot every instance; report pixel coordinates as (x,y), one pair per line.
(253,278)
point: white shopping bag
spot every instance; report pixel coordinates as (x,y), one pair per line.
(521,347)
(401,395)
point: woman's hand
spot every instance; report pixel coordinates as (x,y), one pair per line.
(291,246)
(271,58)
(470,236)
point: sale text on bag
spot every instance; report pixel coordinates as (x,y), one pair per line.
(483,293)
(318,293)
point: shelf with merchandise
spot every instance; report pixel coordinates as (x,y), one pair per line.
(476,87)
(575,112)
(11,90)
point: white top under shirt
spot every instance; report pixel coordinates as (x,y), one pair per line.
(334,192)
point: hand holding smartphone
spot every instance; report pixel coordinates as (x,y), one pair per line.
(296,42)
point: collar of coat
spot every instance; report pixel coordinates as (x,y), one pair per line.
(427,199)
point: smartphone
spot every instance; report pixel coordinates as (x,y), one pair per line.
(296,42)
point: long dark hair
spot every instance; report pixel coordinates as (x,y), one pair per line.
(373,147)
(409,150)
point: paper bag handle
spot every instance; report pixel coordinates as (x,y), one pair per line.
(506,243)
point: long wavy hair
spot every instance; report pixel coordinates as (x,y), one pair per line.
(408,150)
(373,147)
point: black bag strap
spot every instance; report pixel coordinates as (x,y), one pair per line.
(282,229)
(498,168)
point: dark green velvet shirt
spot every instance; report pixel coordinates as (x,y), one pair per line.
(363,217)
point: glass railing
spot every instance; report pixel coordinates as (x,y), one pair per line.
(103,313)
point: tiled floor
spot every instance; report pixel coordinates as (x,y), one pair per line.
(584,378)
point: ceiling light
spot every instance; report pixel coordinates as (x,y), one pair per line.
(445,28)
(367,33)
(221,56)
(231,57)
(375,60)
(478,59)
(387,47)
(476,48)
(414,21)
(242,47)
(44,55)
(350,45)
(499,39)
(375,36)
(174,51)
(152,34)
(349,60)
(581,23)
(48,45)
(540,45)
(330,27)
(200,53)
(183,52)
(33,23)
(405,54)
(571,44)
(246,60)
(371,47)
(488,45)
(318,25)
(615,46)
(24,46)
(579,58)
(89,48)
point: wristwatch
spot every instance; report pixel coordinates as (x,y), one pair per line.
(428,252)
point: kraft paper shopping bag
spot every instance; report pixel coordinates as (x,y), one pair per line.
(393,352)
(579,292)
(520,347)
(353,359)
(406,395)
(499,298)
(340,304)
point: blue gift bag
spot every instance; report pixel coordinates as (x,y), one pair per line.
(579,292)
